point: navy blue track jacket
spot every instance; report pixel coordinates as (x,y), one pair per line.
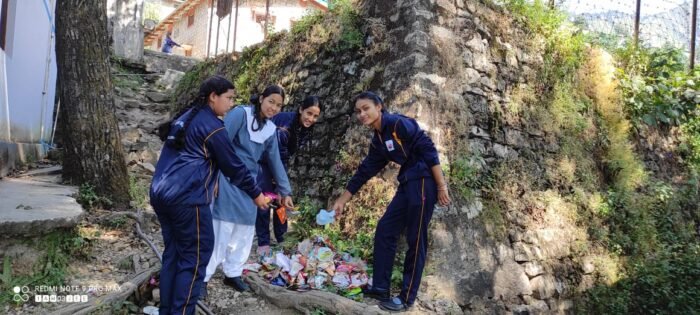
(401,140)
(188,176)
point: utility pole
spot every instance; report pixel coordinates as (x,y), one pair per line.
(637,14)
(235,28)
(693,33)
(267,16)
(211,21)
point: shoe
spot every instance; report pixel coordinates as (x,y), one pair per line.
(377,294)
(394,305)
(236,283)
(203,294)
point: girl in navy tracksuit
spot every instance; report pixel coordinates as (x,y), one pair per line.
(293,130)
(398,139)
(196,148)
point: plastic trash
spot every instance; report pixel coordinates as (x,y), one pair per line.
(301,279)
(279,281)
(324,254)
(344,268)
(281,213)
(358,280)
(270,195)
(296,266)
(150,310)
(305,247)
(255,267)
(283,262)
(319,280)
(325,217)
(353,292)
(341,280)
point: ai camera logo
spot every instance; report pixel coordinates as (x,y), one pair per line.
(20,294)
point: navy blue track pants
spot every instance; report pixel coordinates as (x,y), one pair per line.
(189,240)
(409,211)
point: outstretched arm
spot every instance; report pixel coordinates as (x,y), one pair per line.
(221,151)
(371,165)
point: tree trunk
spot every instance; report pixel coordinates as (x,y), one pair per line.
(90,132)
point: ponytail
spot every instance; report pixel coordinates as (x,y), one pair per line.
(216,84)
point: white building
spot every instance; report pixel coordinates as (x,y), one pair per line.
(196,25)
(27,80)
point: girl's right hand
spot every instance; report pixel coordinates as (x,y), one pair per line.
(338,206)
(339,203)
(262,202)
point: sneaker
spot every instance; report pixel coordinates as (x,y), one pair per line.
(377,294)
(237,283)
(394,305)
(203,294)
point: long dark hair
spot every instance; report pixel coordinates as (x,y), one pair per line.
(256,100)
(371,96)
(298,131)
(216,84)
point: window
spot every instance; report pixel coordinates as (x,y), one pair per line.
(190,18)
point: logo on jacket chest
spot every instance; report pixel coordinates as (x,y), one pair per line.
(389,145)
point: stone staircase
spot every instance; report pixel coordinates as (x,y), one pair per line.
(142,99)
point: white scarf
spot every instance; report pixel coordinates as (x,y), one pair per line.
(261,135)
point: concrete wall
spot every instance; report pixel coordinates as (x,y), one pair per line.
(27,81)
(125,27)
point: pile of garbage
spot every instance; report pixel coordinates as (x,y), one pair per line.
(314,264)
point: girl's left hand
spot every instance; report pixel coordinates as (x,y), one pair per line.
(288,202)
(444,197)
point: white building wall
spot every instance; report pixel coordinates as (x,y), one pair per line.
(30,65)
(194,36)
(4,104)
(249,32)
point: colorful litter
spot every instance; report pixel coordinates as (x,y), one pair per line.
(314,264)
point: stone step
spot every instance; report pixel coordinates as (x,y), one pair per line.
(52,170)
(37,205)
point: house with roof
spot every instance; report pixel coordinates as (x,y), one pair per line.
(206,28)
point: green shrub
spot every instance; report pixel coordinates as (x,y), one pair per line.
(666,283)
(138,191)
(656,86)
(89,199)
(61,247)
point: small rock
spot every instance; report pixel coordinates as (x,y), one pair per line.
(250,301)
(543,286)
(156,295)
(350,68)
(587,266)
(157,97)
(533,269)
(148,167)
